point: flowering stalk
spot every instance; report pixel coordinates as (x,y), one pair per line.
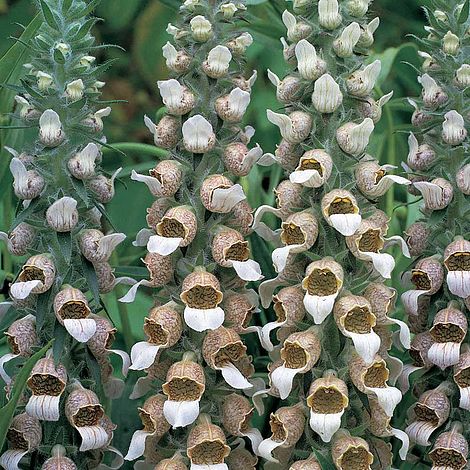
(333,309)
(438,302)
(59,235)
(198,257)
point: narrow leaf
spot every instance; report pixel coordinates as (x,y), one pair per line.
(48,15)
(464,13)
(91,279)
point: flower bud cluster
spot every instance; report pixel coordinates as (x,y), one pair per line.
(198,371)
(333,310)
(61,187)
(438,299)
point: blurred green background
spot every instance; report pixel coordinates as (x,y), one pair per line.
(139,26)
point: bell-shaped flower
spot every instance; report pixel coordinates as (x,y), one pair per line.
(347,450)
(95,120)
(361,82)
(27,184)
(236,414)
(313,170)
(354,138)
(450,446)
(59,460)
(463,179)
(433,94)
(201,28)
(72,311)
(20,239)
(460,376)
(295,127)
(344,45)
(163,328)
(295,30)
(451,43)
(448,332)
(240,44)
(85,412)
(309,65)
(328,14)
(287,427)
(50,129)
(201,295)
(207,446)
(154,423)
(358,8)
(299,233)
(299,353)
(437,194)
(340,210)
(36,277)
(420,157)
(239,160)
(47,382)
(44,81)
(62,215)
(176,61)
(373,181)
(220,195)
(198,135)
(97,247)
(82,164)
(218,62)
(453,128)
(232,107)
(176,97)
(184,387)
(462,76)
(356,320)
(322,284)
(371,378)
(457,263)
(429,413)
(371,108)
(22,339)
(74,90)
(327,399)
(224,350)
(230,250)
(326,96)
(367,33)
(26,109)
(24,436)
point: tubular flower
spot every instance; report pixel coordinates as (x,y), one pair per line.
(58,178)
(197,245)
(437,308)
(330,242)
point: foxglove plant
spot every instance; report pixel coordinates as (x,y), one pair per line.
(438,304)
(58,233)
(330,250)
(198,257)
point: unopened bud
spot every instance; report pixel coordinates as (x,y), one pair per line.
(451,43)
(62,215)
(453,129)
(326,96)
(201,28)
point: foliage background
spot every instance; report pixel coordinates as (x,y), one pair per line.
(139,26)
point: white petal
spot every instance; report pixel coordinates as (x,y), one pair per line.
(266,447)
(82,330)
(137,445)
(234,377)
(383,100)
(130,296)
(181,413)
(171,92)
(388,398)
(273,78)
(465,398)
(251,158)
(239,101)
(10,459)
(108,243)
(420,432)
(126,361)
(325,424)
(282,121)
(225,199)
(43,407)
(141,387)
(282,379)
(197,132)
(19,172)
(93,437)
(255,438)
(258,398)
(163,245)
(459,283)
(346,224)
(267,288)
(151,182)
(366,345)
(396,239)
(117,462)
(142,237)
(383,263)
(264,209)
(265,334)
(200,319)
(410,300)
(405,440)
(405,335)
(219,58)
(143,355)
(267,159)
(308,178)
(3,360)
(395,367)
(444,354)
(248,270)
(432,193)
(21,290)
(49,122)
(280,255)
(150,124)
(404,379)
(319,307)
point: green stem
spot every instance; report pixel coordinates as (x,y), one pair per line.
(391,156)
(144,149)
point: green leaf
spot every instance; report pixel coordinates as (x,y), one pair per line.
(48,15)
(59,57)
(87,10)
(60,336)
(66,4)
(91,279)
(8,411)
(42,307)
(84,29)
(464,13)
(23,215)
(325,464)
(65,243)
